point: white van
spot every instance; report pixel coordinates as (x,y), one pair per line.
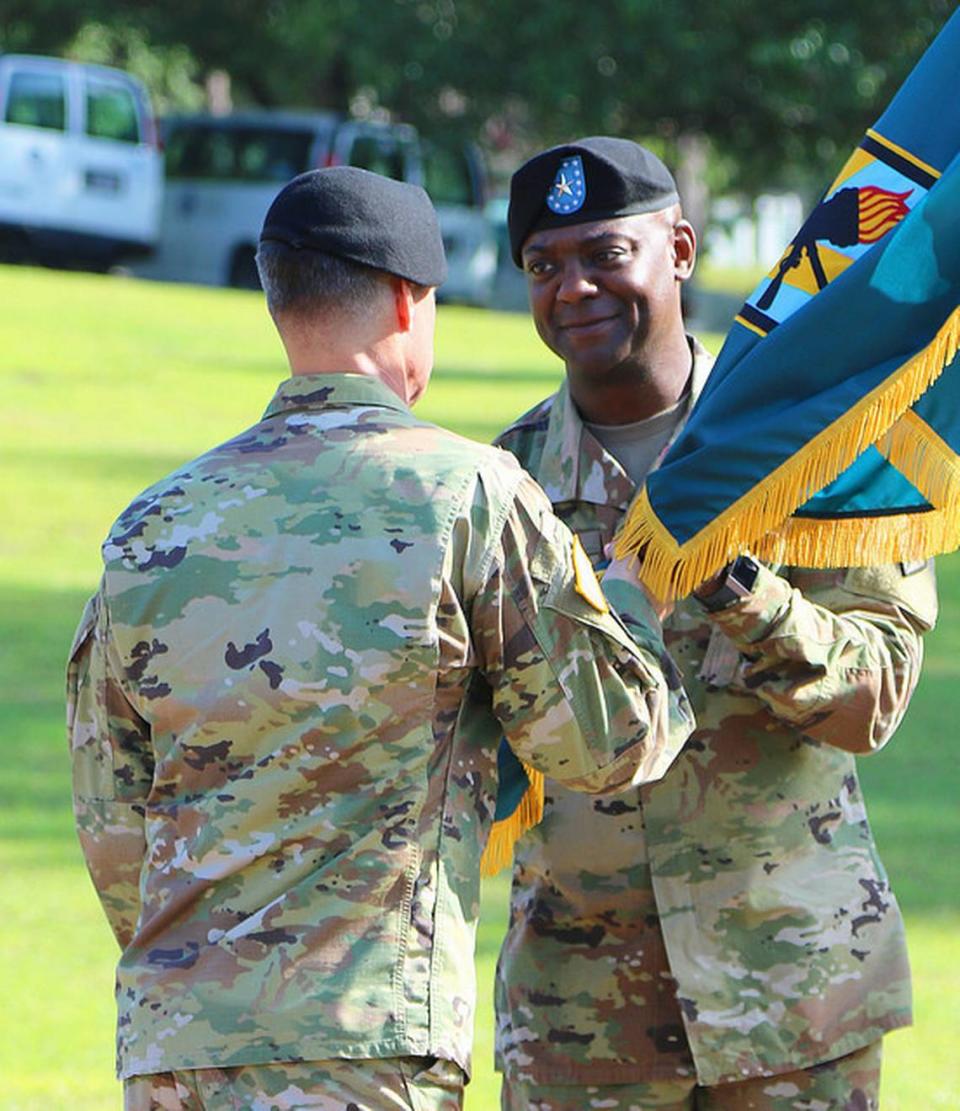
(222,172)
(455,179)
(81,173)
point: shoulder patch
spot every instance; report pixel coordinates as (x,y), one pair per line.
(585,580)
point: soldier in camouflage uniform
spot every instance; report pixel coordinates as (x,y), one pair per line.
(286,697)
(725,938)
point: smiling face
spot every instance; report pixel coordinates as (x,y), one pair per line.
(605,295)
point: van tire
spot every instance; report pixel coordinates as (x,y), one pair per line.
(243,269)
(14,246)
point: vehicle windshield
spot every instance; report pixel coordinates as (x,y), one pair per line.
(448,179)
(246,154)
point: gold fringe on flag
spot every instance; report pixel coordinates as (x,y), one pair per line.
(916,450)
(860,541)
(761,521)
(499,849)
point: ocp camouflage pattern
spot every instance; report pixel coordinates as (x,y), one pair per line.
(849,1083)
(734,919)
(285,702)
(384,1084)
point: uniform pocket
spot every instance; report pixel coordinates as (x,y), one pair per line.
(433,1083)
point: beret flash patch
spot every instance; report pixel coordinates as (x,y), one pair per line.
(569,189)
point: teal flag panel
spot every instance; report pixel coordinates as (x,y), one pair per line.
(853,325)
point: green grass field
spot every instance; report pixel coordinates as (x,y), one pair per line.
(107,384)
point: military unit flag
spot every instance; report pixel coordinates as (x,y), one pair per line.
(829,431)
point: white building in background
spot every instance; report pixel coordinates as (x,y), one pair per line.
(746,235)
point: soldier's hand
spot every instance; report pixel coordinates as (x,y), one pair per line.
(661,608)
(628,568)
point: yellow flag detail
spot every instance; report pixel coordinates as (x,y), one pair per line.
(498,852)
(585,579)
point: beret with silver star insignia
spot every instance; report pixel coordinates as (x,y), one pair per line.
(591,179)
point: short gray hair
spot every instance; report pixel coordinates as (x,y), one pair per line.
(301,281)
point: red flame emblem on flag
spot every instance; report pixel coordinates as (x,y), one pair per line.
(879,210)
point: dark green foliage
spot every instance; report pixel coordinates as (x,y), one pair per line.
(780,90)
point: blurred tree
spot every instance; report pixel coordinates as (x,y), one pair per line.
(170,72)
(782,91)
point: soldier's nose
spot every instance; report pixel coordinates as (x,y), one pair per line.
(575,285)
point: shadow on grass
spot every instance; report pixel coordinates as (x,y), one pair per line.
(36,628)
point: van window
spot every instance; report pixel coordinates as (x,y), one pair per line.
(37,100)
(246,154)
(448,176)
(112,112)
(379,154)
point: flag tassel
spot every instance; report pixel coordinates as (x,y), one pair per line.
(498,852)
(761,520)
(914,448)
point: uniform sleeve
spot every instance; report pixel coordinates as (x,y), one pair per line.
(835,654)
(578,698)
(112,771)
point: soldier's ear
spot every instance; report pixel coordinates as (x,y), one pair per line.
(684,249)
(402,303)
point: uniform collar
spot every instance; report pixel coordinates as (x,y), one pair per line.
(577,468)
(317,391)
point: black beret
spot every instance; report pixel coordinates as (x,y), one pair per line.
(590,179)
(385,224)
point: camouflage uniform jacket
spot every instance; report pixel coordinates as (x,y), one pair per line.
(285,703)
(734,919)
